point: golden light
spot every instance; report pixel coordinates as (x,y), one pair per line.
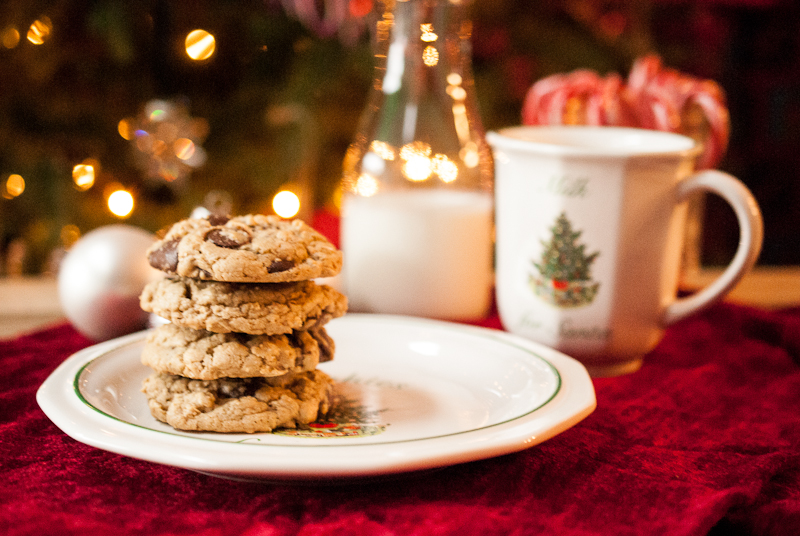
(15,185)
(10,37)
(349,180)
(454,79)
(286,204)
(200,45)
(120,203)
(366,185)
(415,148)
(461,121)
(457,92)
(95,163)
(430,56)
(382,149)
(384,26)
(40,31)
(337,196)
(351,157)
(445,168)
(83,176)
(418,168)
(125,129)
(184,148)
(427,33)
(469,154)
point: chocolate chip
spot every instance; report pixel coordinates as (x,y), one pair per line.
(326,344)
(216,219)
(230,388)
(165,258)
(315,323)
(228,238)
(279,265)
(294,341)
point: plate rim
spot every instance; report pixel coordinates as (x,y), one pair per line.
(574,396)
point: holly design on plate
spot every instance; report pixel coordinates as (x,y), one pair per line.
(347,417)
(562,274)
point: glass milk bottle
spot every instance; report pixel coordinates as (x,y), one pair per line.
(417,186)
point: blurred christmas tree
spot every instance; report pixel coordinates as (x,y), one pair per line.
(278,104)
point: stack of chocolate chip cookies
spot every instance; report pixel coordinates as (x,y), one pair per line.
(246,329)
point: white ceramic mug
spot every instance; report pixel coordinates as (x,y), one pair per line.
(589,225)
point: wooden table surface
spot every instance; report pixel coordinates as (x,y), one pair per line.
(30,303)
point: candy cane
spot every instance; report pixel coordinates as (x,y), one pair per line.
(654,97)
(716,113)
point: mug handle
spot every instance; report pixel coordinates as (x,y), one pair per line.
(751,236)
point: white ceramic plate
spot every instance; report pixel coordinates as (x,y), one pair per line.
(413,394)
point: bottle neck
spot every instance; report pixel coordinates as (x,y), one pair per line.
(421,128)
(421,41)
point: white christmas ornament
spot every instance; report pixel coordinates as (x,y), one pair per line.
(101,278)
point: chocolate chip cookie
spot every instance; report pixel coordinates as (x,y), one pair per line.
(246,405)
(203,355)
(257,309)
(251,248)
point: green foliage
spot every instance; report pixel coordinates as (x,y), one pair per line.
(61,102)
(563,258)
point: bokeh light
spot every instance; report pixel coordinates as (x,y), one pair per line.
(430,56)
(125,128)
(200,45)
(40,30)
(83,175)
(286,204)
(418,168)
(382,149)
(14,186)
(184,148)
(168,141)
(120,203)
(415,148)
(428,34)
(446,169)
(10,37)
(457,92)
(366,185)
(469,155)
(454,79)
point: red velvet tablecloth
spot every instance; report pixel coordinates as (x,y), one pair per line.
(704,439)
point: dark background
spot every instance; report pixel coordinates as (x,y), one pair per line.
(282,99)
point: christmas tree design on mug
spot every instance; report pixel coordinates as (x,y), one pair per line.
(563,275)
